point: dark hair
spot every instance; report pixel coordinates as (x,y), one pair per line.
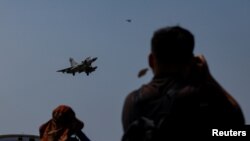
(172,44)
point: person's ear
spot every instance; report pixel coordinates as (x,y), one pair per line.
(151,60)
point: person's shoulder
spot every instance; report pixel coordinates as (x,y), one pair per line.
(142,93)
(43,127)
(129,98)
(133,95)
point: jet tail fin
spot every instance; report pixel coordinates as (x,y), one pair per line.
(73,63)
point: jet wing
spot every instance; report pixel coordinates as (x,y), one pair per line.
(90,70)
(65,70)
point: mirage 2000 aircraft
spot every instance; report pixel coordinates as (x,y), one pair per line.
(84,66)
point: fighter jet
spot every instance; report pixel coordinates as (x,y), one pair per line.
(84,66)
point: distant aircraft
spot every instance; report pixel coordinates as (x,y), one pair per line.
(142,72)
(129,20)
(84,66)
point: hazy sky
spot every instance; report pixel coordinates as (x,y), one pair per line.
(37,37)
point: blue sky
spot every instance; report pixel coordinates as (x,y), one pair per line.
(38,37)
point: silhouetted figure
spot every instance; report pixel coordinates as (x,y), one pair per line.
(181,96)
(64,126)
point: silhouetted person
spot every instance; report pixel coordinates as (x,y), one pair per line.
(64,126)
(182,95)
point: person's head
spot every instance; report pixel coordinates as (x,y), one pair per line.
(64,115)
(171,46)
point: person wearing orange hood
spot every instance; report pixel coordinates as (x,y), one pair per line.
(64,126)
